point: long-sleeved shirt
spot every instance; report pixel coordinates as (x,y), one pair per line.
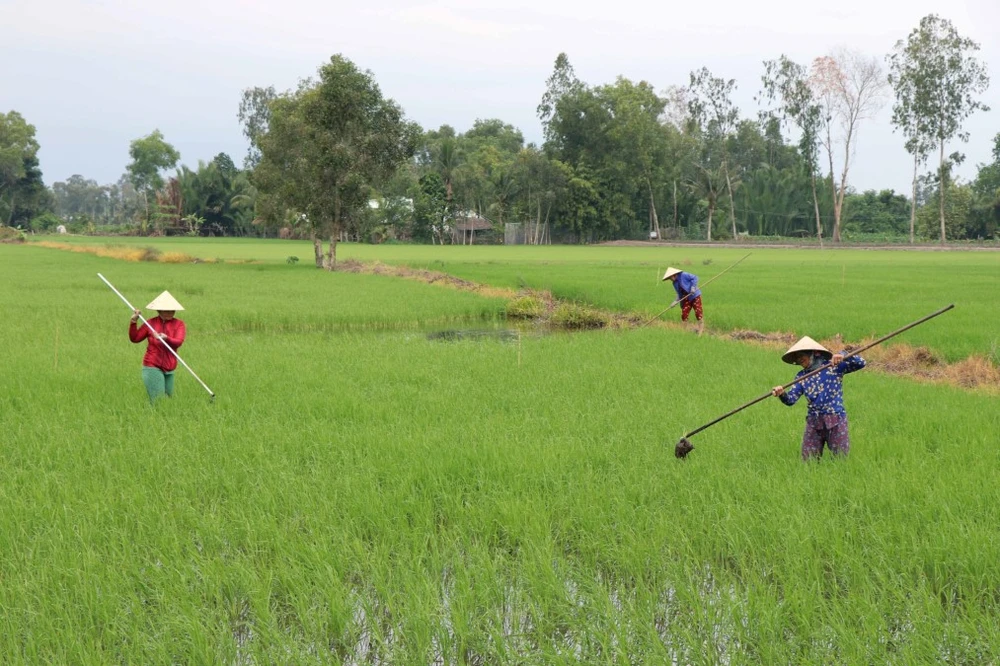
(157,356)
(686,284)
(825,390)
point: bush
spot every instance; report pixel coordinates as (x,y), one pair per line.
(11,235)
(45,222)
(573,316)
(525,307)
(722,232)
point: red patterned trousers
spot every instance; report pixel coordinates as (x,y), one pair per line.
(686,306)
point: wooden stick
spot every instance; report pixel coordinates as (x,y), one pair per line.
(701,287)
(820,369)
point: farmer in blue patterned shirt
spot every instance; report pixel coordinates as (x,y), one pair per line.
(826,420)
(686,286)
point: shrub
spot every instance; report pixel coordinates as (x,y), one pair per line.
(525,307)
(573,316)
(45,222)
(11,235)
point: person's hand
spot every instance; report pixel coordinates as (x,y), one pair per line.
(135,316)
(778,391)
(837,359)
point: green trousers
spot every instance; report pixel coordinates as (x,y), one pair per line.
(157,383)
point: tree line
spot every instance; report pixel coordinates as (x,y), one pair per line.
(334,159)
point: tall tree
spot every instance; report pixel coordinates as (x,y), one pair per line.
(986,189)
(447,159)
(18,164)
(542,183)
(495,132)
(254,115)
(712,108)
(905,118)
(787,83)
(850,87)
(150,155)
(81,196)
(30,198)
(327,145)
(706,182)
(562,83)
(430,208)
(639,138)
(937,80)
(225,164)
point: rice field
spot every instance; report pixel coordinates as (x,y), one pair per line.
(359,493)
(856,294)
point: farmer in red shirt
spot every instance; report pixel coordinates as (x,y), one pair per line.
(158,364)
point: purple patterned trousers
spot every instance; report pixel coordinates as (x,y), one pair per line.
(829,429)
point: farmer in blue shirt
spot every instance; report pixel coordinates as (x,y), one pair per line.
(826,420)
(686,286)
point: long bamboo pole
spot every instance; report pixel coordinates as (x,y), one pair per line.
(710,280)
(147,324)
(684,447)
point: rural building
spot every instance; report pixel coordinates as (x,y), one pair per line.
(465,230)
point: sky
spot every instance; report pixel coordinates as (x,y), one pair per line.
(92,75)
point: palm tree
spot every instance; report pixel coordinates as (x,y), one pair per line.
(707,184)
(242,203)
(446,161)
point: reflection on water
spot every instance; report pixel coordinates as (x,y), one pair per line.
(452,335)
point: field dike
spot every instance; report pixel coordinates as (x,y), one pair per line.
(526,305)
(976,373)
(134,254)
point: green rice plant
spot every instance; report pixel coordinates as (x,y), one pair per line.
(358,492)
(823,293)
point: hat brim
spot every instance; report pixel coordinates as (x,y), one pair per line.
(165,302)
(790,356)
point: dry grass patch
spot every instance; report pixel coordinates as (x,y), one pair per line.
(974,372)
(122,252)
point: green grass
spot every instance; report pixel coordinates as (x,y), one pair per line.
(820,293)
(364,493)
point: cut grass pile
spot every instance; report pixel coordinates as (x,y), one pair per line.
(373,496)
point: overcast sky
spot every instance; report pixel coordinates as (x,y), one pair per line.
(92,75)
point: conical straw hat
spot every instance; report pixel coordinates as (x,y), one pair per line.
(805,344)
(165,302)
(671,271)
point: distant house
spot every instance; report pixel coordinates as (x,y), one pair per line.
(465,229)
